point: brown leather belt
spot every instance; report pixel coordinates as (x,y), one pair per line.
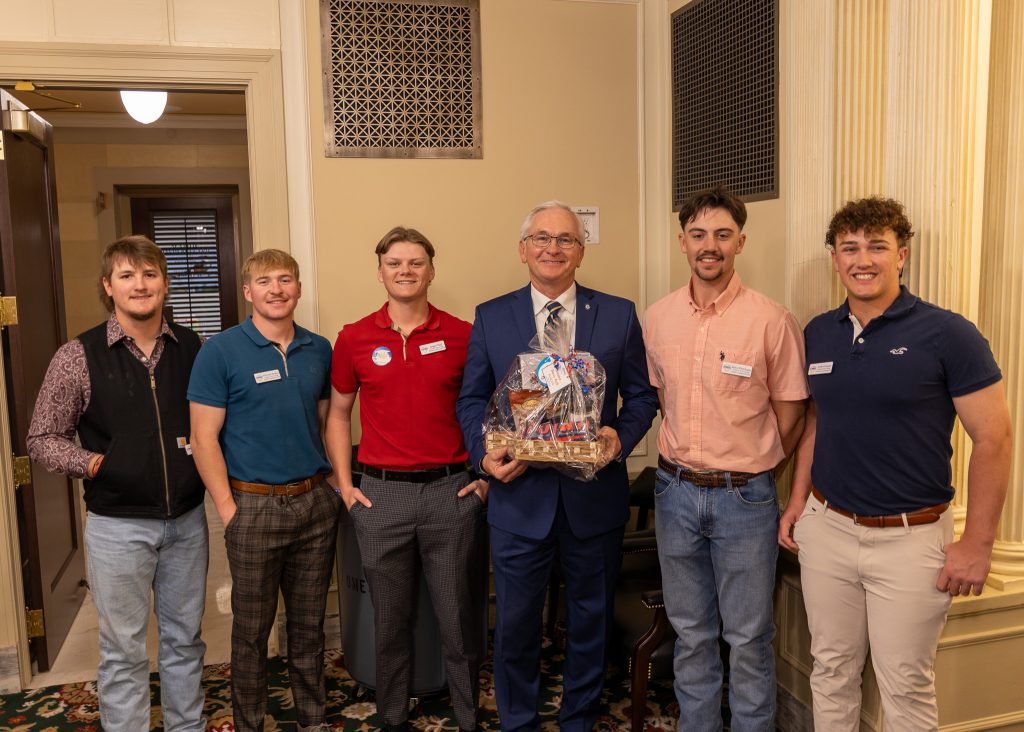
(287,489)
(706,478)
(927,515)
(425,475)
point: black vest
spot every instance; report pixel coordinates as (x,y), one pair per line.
(140,428)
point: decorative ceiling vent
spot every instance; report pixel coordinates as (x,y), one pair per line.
(401,79)
(724,98)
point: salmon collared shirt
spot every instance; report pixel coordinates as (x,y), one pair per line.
(717,369)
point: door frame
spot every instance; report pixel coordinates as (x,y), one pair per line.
(282,209)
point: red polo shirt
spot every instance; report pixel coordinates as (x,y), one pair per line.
(407,388)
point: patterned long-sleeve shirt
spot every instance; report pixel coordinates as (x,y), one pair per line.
(64,397)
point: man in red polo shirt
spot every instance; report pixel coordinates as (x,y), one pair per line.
(417,505)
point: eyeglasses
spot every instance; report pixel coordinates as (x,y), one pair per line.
(543,240)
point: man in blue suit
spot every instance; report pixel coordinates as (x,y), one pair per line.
(534,512)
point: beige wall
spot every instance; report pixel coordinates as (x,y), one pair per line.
(762,264)
(560,99)
(93,162)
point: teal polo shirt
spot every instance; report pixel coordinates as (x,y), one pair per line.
(271,431)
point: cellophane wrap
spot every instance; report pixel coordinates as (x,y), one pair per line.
(547,408)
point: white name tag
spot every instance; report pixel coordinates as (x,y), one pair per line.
(825,367)
(737,369)
(264,376)
(427,348)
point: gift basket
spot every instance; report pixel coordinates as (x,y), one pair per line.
(547,408)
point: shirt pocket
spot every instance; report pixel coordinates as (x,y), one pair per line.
(666,364)
(734,370)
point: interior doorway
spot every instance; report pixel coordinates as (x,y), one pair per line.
(185,183)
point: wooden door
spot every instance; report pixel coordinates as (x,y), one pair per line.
(49,519)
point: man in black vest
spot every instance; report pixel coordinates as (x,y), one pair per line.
(122,386)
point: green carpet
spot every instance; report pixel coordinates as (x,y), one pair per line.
(74,706)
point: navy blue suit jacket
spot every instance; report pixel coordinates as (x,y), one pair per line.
(607,327)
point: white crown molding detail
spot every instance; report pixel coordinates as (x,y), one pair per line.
(121,120)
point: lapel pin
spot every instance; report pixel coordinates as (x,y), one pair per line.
(587,306)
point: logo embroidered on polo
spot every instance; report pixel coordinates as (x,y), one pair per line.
(898,351)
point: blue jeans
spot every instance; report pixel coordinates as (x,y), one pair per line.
(718,548)
(129,559)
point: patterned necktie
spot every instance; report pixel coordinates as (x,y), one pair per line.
(551,329)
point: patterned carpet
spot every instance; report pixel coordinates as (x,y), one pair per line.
(74,707)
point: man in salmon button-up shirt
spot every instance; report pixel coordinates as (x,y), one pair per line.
(728,364)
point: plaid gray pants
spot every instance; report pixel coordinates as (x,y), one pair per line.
(288,543)
(414,525)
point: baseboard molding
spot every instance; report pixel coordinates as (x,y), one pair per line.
(791,714)
(10,671)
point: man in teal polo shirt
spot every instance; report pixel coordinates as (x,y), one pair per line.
(258,397)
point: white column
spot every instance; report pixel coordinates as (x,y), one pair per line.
(1002,291)
(935,130)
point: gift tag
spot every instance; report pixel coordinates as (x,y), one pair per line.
(552,374)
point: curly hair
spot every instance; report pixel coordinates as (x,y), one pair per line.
(874,215)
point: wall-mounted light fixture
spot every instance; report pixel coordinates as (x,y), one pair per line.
(144,106)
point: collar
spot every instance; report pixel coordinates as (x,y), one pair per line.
(898,308)
(116,333)
(300,338)
(567,300)
(382,319)
(721,303)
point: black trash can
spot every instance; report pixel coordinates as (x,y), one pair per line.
(357,624)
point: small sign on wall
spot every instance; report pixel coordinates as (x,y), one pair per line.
(591,223)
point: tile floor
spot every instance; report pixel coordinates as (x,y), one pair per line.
(79,655)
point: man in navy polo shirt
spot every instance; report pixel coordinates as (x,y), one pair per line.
(417,505)
(889,374)
(259,396)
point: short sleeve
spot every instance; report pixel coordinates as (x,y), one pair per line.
(208,383)
(343,374)
(325,353)
(653,372)
(967,358)
(787,362)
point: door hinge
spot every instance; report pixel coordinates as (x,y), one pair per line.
(21,470)
(8,310)
(34,623)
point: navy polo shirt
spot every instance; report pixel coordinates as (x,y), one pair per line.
(271,430)
(885,403)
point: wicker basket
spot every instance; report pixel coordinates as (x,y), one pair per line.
(547,451)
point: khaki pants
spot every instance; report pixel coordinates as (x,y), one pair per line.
(872,588)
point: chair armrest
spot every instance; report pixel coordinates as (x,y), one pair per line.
(653,599)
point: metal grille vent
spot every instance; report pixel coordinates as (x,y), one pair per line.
(724,98)
(401,79)
(189,241)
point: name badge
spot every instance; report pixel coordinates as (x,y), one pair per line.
(737,369)
(815,369)
(427,348)
(264,376)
